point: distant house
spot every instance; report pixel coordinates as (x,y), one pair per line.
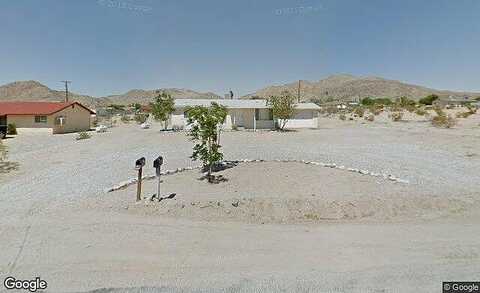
(247,114)
(60,117)
(452,101)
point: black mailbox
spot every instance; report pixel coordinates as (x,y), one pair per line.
(157,164)
(140,163)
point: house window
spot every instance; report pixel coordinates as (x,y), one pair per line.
(40,119)
(263,114)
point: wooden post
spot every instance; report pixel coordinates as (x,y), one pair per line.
(139,184)
(254,119)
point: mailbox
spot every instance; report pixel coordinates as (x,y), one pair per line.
(157,164)
(140,163)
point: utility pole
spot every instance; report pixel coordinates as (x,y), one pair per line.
(66,82)
(298,94)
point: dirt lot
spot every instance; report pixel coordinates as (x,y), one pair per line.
(295,227)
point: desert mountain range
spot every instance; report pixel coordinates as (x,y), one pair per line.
(346,87)
(340,87)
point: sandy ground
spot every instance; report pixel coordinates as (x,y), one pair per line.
(284,235)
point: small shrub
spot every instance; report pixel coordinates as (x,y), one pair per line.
(367,101)
(3,151)
(83,135)
(463,114)
(125,119)
(396,116)
(405,102)
(443,120)
(140,118)
(359,111)
(370,117)
(331,110)
(11,129)
(342,117)
(428,100)
(420,112)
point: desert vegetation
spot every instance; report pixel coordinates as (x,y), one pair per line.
(83,135)
(205,132)
(11,129)
(283,108)
(442,120)
(162,107)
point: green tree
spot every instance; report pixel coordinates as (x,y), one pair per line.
(162,107)
(205,132)
(428,100)
(367,101)
(283,107)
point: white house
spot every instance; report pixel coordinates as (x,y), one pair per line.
(249,114)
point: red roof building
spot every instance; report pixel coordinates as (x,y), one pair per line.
(58,116)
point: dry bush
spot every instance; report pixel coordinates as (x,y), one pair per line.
(420,112)
(396,116)
(463,114)
(331,110)
(342,117)
(359,111)
(83,135)
(370,117)
(3,151)
(443,120)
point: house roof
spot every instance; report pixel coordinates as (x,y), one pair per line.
(35,108)
(237,104)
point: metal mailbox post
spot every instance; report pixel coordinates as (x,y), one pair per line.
(139,166)
(157,164)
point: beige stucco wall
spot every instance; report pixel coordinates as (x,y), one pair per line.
(303,119)
(28,121)
(245,118)
(77,118)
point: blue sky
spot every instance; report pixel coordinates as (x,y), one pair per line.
(109,46)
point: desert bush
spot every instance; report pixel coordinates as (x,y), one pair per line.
(396,116)
(442,119)
(3,151)
(370,117)
(360,111)
(463,114)
(367,101)
(331,110)
(140,118)
(378,101)
(125,119)
(428,100)
(11,129)
(83,135)
(342,117)
(405,102)
(420,112)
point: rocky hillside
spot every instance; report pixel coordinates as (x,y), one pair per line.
(34,91)
(346,87)
(146,96)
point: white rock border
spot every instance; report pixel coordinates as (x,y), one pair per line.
(125,184)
